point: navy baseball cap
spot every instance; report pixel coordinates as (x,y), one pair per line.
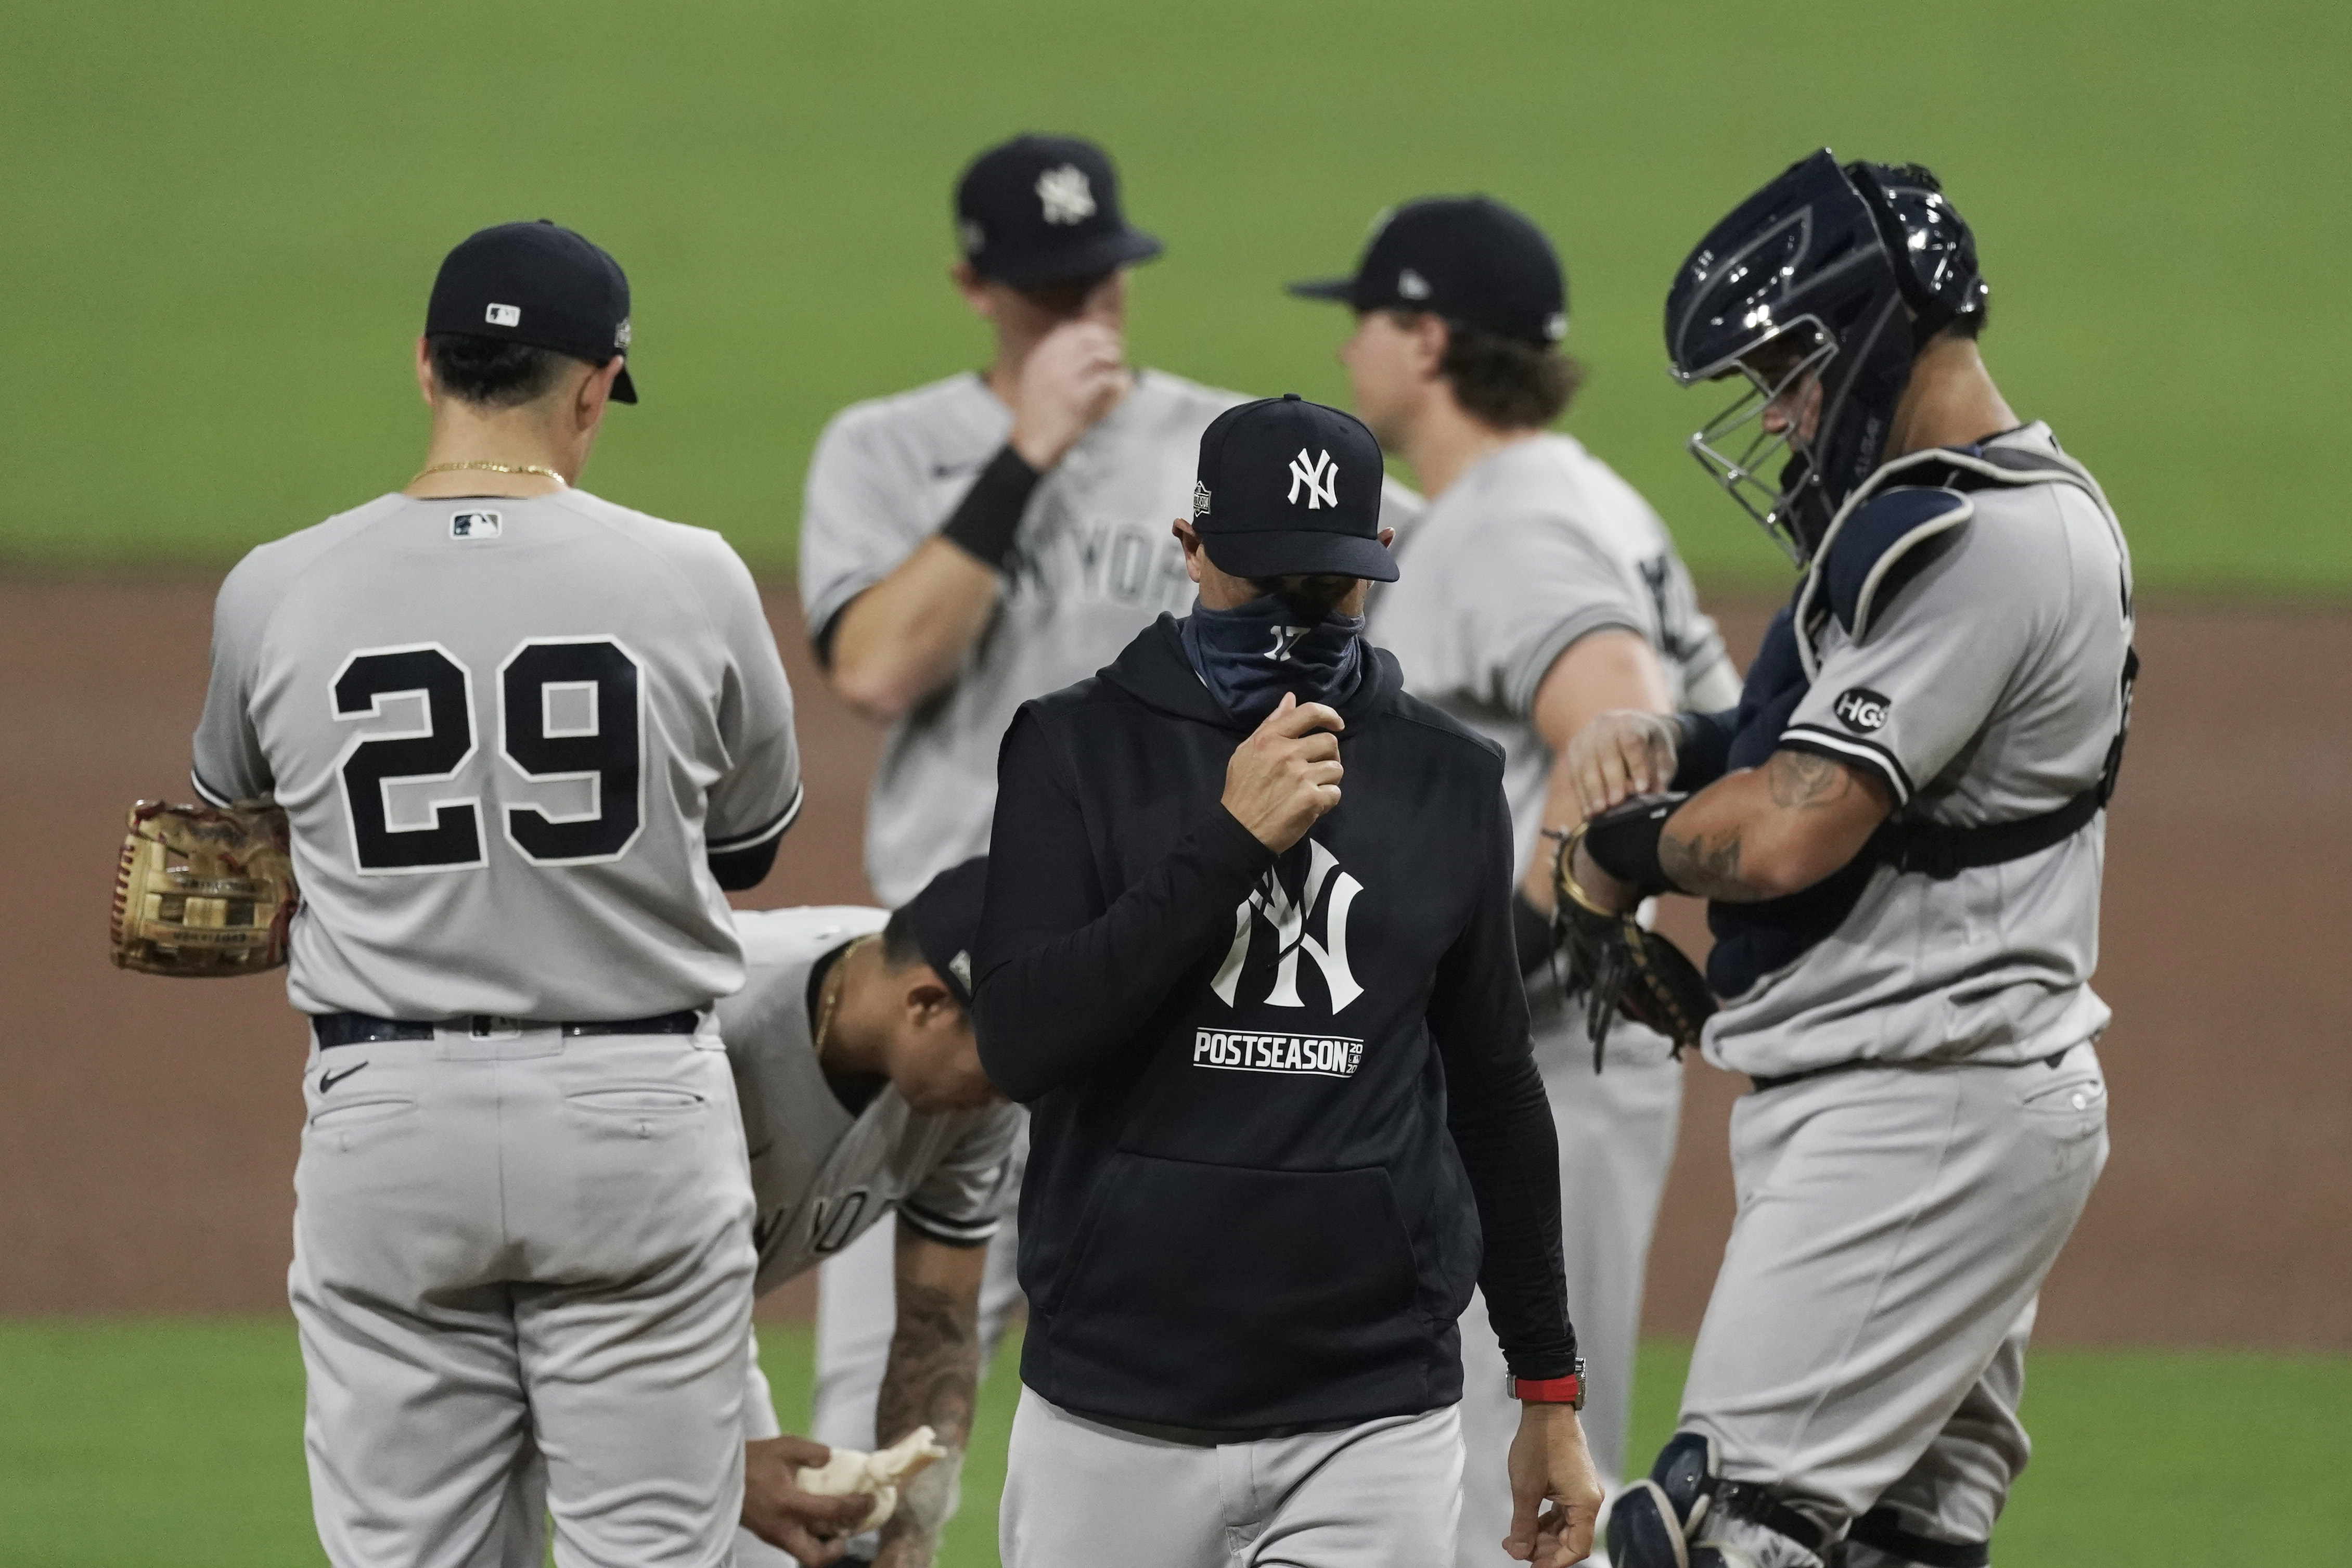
(536,283)
(1042,209)
(1289,488)
(945,917)
(1467,258)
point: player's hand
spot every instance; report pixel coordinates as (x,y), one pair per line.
(1072,378)
(816,1529)
(1287,774)
(1620,753)
(1550,1465)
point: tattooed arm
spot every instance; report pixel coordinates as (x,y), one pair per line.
(933,1372)
(1762,833)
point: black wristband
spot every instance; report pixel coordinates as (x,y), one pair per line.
(986,521)
(1624,841)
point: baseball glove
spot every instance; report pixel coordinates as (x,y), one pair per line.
(203,892)
(1618,966)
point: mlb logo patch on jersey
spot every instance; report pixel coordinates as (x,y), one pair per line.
(1860,710)
(475,524)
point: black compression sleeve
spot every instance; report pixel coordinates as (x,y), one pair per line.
(1703,750)
(986,521)
(1066,979)
(1624,841)
(1502,1125)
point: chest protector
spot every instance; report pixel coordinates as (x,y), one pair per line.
(1888,532)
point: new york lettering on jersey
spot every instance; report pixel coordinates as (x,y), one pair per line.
(509,736)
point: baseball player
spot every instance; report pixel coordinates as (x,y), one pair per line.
(1275,1049)
(1536,592)
(1900,829)
(863,1096)
(524,738)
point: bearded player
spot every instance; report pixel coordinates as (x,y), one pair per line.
(1900,832)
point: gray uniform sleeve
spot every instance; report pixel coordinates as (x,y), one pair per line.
(862,512)
(230,765)
(1934,665)
(760,794)
(961,1201)
(1530,592)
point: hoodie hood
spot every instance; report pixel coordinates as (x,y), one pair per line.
(1154,670)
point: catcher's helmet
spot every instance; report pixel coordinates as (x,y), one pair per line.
(1856,268)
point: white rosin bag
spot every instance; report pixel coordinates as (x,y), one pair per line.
(850,1472)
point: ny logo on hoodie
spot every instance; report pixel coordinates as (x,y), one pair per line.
(1271,903)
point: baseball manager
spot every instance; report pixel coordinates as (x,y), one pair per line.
(1275,1050)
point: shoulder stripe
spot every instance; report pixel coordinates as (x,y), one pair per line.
(210,793)
(1847,748)
(757,836)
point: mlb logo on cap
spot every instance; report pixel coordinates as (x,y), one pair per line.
(503,316)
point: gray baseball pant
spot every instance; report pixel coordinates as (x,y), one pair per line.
(1080,1494)
(517,1258)
(1616,1144)
(1864,1343)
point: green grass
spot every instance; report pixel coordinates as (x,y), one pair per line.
(128,1444)
(223,220)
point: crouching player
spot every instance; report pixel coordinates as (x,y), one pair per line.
(862,1094)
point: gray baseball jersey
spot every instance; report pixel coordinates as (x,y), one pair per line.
(822,1175)
(1093,563)
(1987,690)
(507,734)
(1533,547)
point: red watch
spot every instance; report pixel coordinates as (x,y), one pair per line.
(1568,1391)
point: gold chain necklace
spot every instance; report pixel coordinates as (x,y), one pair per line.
(494,468)
(837,981)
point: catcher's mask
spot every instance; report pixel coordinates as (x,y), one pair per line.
(1828,277)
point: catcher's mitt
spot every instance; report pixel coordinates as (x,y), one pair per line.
(1620,967)
(201,891)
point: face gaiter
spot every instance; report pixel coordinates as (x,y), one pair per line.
(1250,656)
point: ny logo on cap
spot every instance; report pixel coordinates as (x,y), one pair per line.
(1320,477)
(1412,285)
(504,315)
(1067,196)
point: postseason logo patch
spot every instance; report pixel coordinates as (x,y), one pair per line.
(1860,710)
(1235,1050)
(475,524)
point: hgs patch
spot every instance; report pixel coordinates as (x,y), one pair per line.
(1860,710)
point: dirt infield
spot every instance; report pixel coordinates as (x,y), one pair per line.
(148,1127)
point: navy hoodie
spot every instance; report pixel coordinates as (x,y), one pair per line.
(1274,1101)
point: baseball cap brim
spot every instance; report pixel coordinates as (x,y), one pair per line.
(624,389)
(1096,257)
(1341,289)
(1300,553)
